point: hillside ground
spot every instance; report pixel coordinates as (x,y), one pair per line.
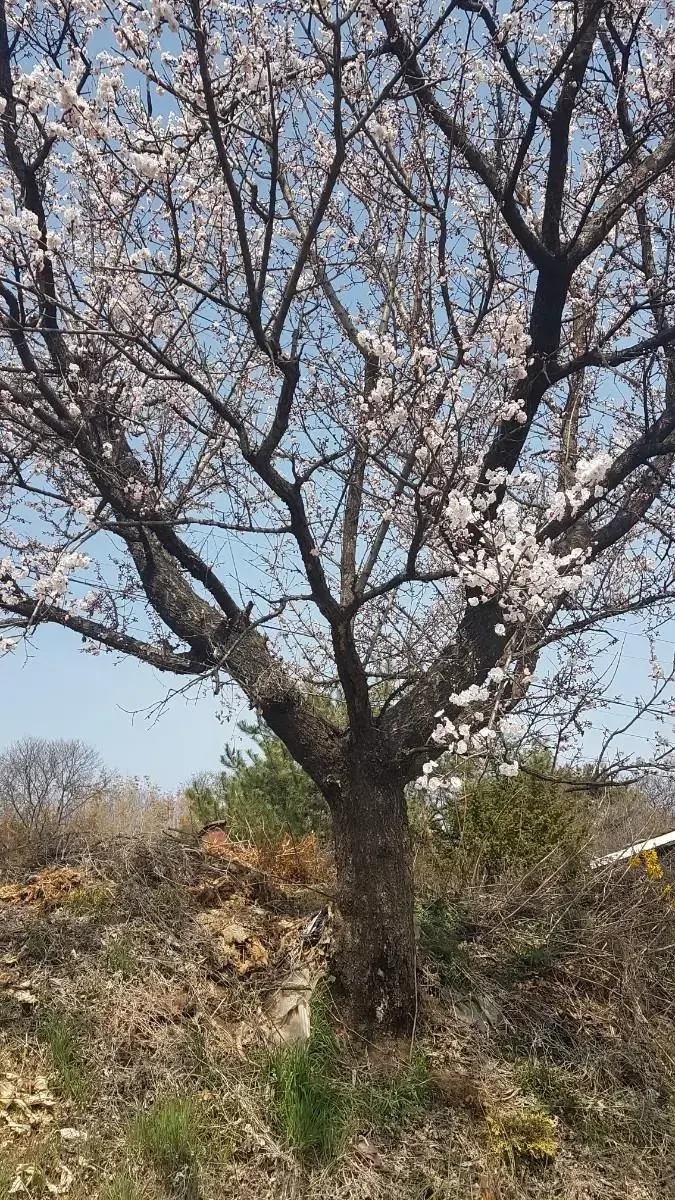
(136,983)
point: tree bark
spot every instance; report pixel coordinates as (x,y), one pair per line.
(375,960)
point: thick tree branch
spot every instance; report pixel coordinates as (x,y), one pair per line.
(30,614)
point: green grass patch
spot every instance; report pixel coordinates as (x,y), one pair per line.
(308,1102)
(63,1035)
(120,957)
(402,1099)
(307,1106)
(315,1104)
(169,1136)
(122,1187)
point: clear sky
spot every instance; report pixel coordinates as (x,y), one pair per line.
(51,689)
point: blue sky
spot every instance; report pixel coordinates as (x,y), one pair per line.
(51,689)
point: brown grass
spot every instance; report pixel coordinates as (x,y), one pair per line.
(126,808)
(302,861)
(542,1065)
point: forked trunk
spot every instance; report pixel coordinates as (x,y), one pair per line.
(375,962)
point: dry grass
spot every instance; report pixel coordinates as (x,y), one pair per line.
(126,808)
(542,1065)
(303,861)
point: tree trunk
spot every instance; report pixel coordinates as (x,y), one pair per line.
(375,960)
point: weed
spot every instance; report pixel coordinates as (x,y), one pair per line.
(523,1138)
(51,938)
(623,1115)
(201,1067)
(550,1085)
(119,956)
(308,1106)
(5,1181)
(37,944)
(308,1103)
(159,901)
(121,1187)
(63,1036)
(443,926)
(91,901)
(169,1135)
(40,1178)
(392,1104)
(533,958)
(11,1011)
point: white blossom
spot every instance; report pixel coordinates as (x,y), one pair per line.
(150,166)
(105,92)
(458,511)
(591,471)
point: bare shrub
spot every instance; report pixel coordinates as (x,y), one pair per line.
(132,806)
(45,785)
(55,795)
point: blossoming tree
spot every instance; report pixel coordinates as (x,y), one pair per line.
(337,351)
